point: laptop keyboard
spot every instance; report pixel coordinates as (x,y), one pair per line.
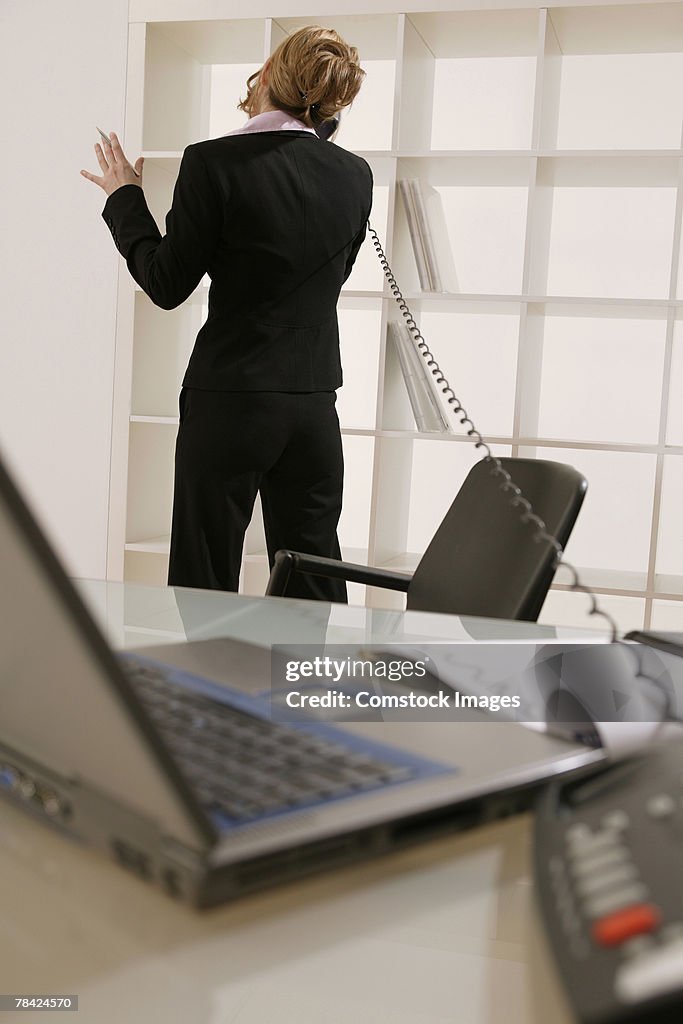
(245,767)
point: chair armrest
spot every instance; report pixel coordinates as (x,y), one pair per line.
(287,562)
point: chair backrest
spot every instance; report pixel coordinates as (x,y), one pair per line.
(483,560)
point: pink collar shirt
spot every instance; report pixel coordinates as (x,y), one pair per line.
(272,121)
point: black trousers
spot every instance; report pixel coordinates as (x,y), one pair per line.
(232,445)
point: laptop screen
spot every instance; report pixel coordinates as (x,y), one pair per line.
(63,702)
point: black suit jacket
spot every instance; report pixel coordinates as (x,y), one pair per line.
(276,219)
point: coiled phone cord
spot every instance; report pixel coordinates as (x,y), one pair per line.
(508,486)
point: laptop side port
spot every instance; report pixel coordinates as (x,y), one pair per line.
(131,858)
(32,791)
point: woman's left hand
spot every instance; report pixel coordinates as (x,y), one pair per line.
(116,170)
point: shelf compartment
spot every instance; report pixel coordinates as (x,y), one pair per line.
(621,101)
(477,211)
(617,77)
(159,178)
(603,227)
(468,80)
(367,124)
(619,400)
(196,72)
(163,342)
(612,532)
(476,347)
(359,332)
(367,274)
(478,355)
(150,481)
(354,524)
(228,86)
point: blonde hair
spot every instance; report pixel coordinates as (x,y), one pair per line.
(312,75)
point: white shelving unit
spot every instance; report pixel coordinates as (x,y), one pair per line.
(551,138)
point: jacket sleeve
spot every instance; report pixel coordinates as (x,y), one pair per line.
(168,269)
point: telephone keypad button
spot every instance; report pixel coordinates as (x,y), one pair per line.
(650,975)
(610,878)
(598,906)
(591,863)
(577,833)
(592,843)
(661,806)
(622,925)
(616,820)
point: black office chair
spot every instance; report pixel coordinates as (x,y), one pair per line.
(483,560)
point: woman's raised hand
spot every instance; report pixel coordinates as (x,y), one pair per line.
(116,170)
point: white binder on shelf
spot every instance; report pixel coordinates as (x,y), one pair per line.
(423,391)
(428,236)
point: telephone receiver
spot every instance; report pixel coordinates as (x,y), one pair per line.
(326,129)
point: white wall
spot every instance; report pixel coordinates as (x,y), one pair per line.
(62,71)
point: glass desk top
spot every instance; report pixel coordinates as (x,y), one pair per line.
(138,615)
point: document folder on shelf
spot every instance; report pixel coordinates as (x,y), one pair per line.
(420,384)
(429,236)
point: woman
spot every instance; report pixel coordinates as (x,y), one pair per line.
(275,216)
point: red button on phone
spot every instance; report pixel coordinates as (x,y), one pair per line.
(638,919)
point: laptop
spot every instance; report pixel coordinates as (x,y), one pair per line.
(172,764)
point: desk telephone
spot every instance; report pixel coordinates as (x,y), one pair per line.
(607,870)
(608,864)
